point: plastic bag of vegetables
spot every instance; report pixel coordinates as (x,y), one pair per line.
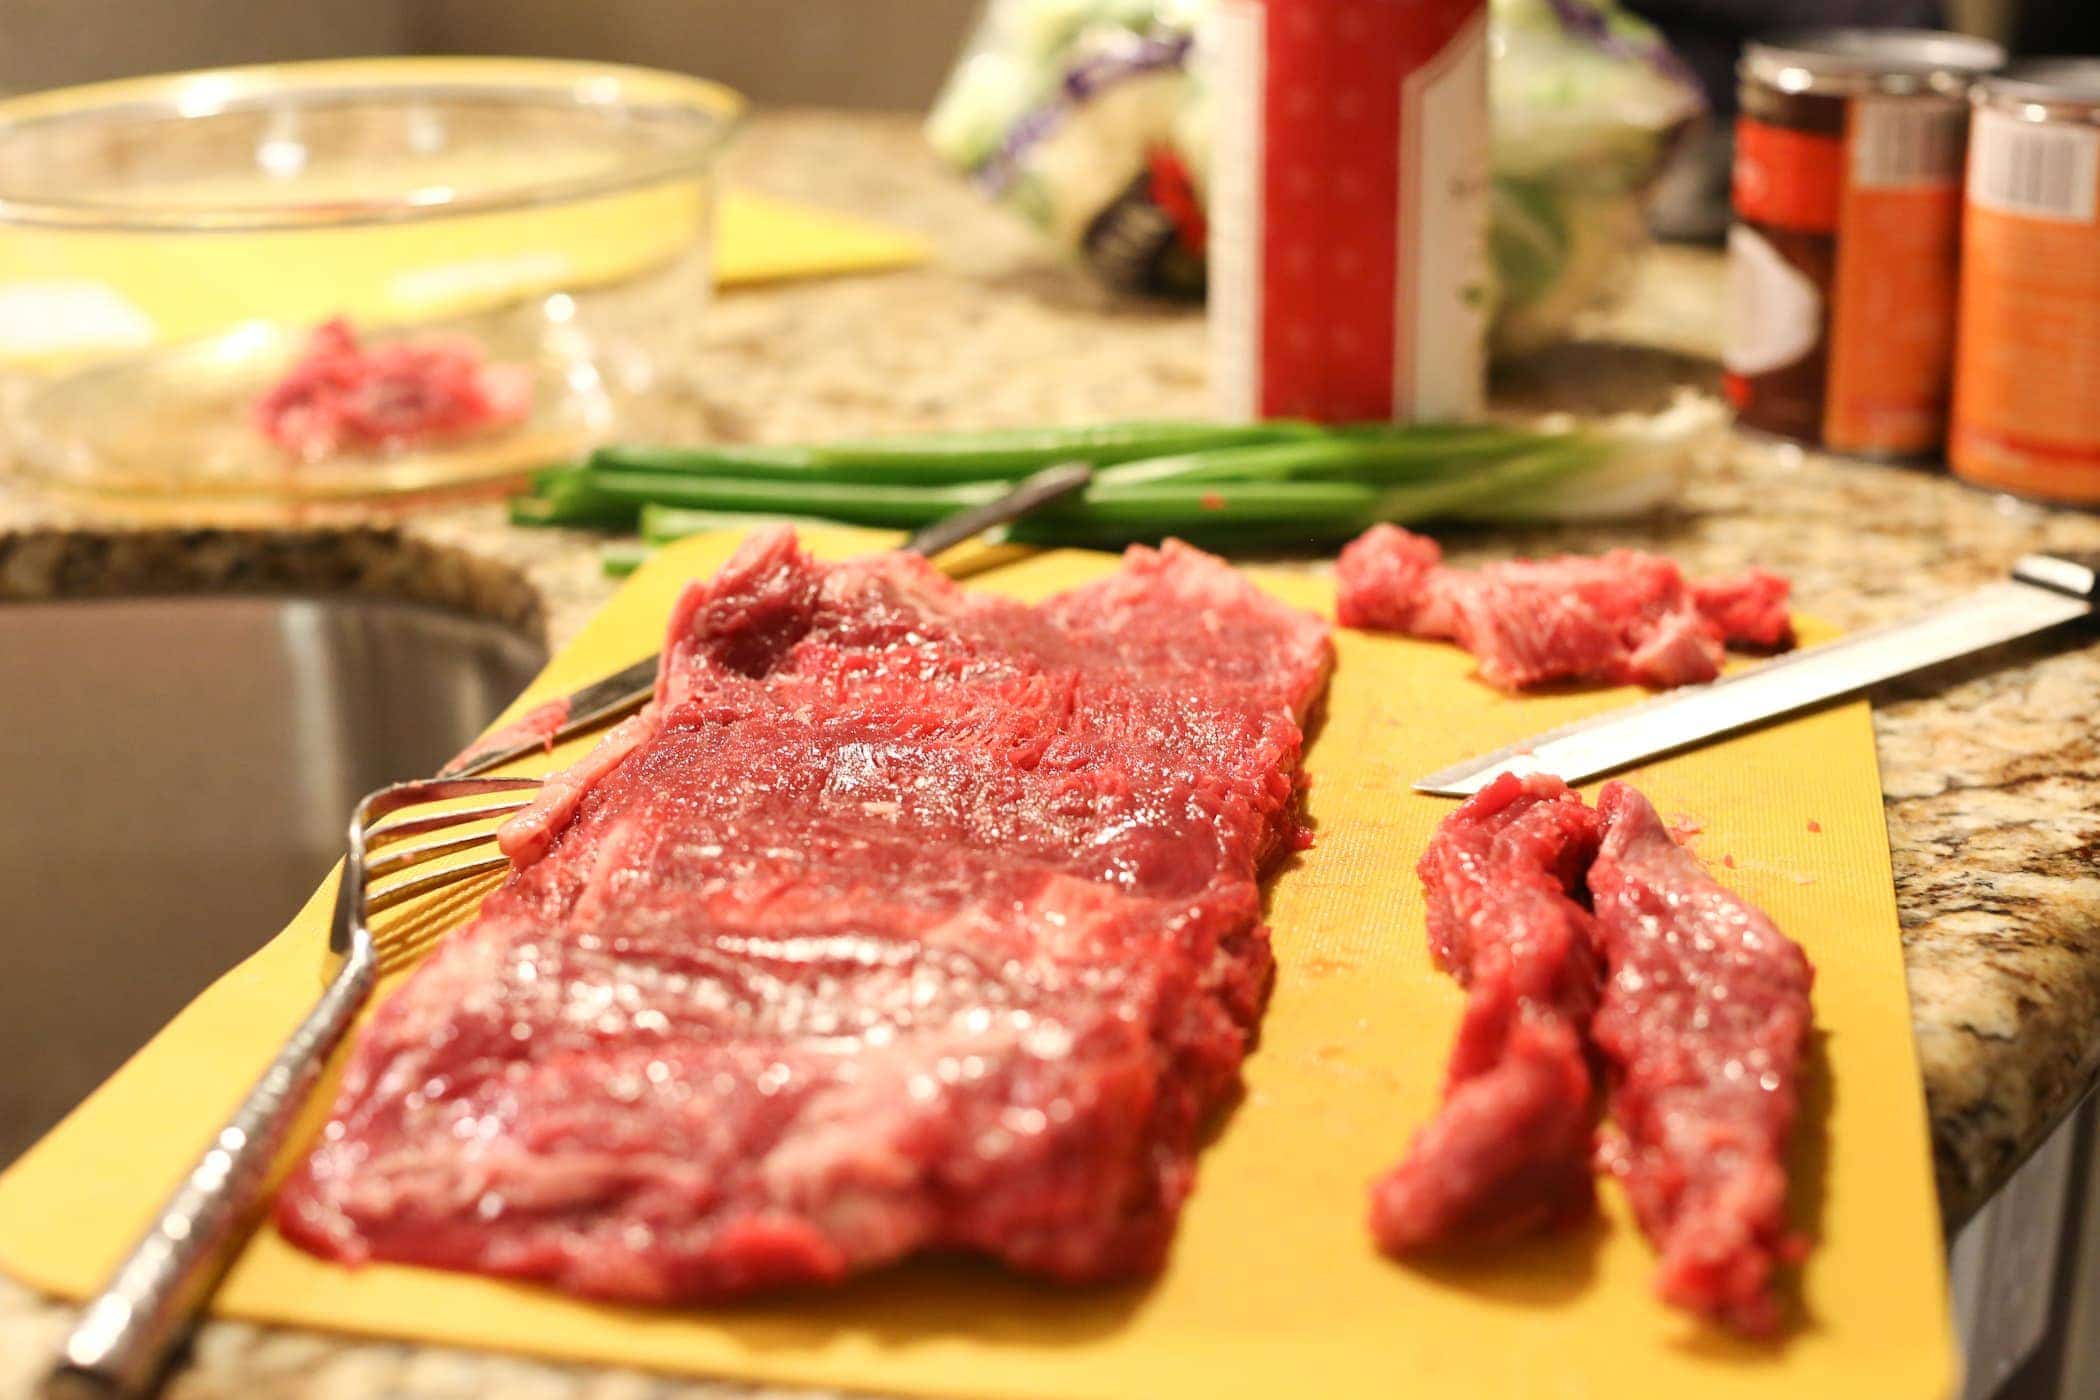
(1088,118)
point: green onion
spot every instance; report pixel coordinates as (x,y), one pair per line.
(1370,457)
(620,558)
(1478,490)
(1259,488)
(939,458)
(727,459)
(1168,507)
(663,524)
(570,496)
(849,501)
(1017,452)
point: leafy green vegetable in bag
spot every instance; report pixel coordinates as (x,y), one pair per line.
(1089,119)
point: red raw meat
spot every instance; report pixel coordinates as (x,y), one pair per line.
(342,396)
(1748,609)
(1509,1150)
(1704,1020)
(903,919)
(1623,617)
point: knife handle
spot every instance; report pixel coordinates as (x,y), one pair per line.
(1031,493)
(2076,574)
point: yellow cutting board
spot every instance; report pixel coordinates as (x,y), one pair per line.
(1273,1288)
(760,239)
(101,293)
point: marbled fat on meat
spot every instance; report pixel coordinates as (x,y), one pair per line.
(1509,1150)
(1704,1021)
(903,919)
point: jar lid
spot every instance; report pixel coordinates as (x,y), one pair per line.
(2060,88)
(1891,61)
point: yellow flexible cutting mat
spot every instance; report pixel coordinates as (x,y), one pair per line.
(67,295)
(1273,1288)
(761,239)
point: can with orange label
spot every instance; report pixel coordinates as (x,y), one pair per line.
(1844,252)
(2027,377)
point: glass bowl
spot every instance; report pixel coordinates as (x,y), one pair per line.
(179,422)
(165,244)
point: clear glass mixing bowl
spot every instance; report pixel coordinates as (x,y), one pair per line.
(166,242)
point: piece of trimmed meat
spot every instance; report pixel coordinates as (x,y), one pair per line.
(1748,609)
(902,919)
(345,396)
(1509,1151)
(1391,580)
(1704,1021)
(1624,617)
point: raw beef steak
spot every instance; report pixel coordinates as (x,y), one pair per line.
(903,919)
(1623,617)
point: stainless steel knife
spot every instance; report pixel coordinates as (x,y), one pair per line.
(627,688)
(2044,591)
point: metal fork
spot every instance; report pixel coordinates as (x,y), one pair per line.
(124,1335)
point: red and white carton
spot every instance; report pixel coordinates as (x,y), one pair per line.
(1348,193)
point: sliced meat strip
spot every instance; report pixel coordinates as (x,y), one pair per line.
(1624,617)
(1704,1020)
(1509,1150)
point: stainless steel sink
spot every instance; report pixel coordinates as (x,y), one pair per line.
(178,775)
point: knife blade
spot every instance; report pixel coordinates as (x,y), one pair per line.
(628,688)
(2044,591)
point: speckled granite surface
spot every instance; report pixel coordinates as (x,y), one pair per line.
(1991,771)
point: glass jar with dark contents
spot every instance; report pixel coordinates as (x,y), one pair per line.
(1844,252)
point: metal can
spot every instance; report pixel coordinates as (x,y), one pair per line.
(2027,376)
(1844,254)
(1348,208)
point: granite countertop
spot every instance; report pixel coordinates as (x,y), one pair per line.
(1990,770)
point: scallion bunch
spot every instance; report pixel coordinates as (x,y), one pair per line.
(1266,487)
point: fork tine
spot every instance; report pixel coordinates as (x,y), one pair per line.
(378,901)
(402,857)
(418,926)
(392,831)
(356,901)
(392,799)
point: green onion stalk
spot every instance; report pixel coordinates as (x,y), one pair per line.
(1240,487)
